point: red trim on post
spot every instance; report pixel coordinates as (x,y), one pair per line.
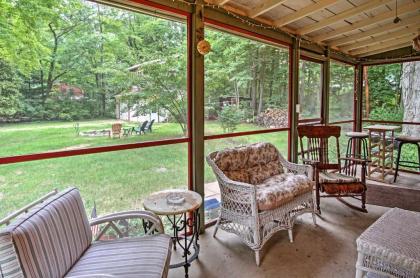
(189,101)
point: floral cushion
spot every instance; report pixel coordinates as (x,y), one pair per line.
(232,159)
(238,175)
(261,153)
(259,173)
(280,189)
(251,164)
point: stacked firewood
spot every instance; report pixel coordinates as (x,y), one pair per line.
(273,118)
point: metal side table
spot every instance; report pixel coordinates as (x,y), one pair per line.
(181,209)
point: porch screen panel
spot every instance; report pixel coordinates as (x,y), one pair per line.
(391,96)
(87,68)
(310,89)
(342,93)
(246,84)
(114,181)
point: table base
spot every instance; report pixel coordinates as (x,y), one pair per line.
(186,223)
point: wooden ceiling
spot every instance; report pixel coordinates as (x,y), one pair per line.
(359,28)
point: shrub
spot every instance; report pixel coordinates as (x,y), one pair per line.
(230,117)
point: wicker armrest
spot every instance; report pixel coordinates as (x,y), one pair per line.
(109,219)
(300,169)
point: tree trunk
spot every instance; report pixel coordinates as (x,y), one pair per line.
(410,94)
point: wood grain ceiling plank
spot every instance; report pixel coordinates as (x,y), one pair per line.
(385,37)
(343,15)
(408,22)
(366,22)
(383,45)
(264,7)
(393,47)
(301,13)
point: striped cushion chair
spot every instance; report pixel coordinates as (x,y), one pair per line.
(54,239)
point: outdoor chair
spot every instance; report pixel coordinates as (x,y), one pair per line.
(149,126)
(261,193)
(141,129)
(116,130)
(331,177)
(54,239)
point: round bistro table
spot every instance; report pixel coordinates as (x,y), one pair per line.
(184,218)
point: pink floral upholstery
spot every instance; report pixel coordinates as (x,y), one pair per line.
(280,189)
(259,164)
(250,164)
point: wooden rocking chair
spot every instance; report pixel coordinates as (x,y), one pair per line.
(332,178)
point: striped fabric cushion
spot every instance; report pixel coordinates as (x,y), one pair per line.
(140,257)
(9,261)
(335,177)
(52,236)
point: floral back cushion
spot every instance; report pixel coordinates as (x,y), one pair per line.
(250,164)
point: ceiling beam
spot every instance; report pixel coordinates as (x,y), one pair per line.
(369,21)
(305,11)
(389,48)
(385,37)
(264,7)
(341,16)
(396,41)
(407,22)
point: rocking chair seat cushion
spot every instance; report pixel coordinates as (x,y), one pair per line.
(335,177)
(144,256)
(280,189)
(343,188)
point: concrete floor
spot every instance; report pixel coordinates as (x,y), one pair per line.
(325,250)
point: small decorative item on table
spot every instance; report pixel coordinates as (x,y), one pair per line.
(181,209)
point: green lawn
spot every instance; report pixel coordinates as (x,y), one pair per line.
(114,180)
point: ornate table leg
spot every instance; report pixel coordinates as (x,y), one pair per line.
(187,222)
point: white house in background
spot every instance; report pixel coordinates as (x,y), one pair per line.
(126,113)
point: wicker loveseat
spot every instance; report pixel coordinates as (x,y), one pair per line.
(261,192)
(54,239)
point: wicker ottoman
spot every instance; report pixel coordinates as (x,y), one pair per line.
(391,245)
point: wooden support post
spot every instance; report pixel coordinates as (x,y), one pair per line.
(358,106)
(197,101)
(325,88)
(358,87)
(294,68)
